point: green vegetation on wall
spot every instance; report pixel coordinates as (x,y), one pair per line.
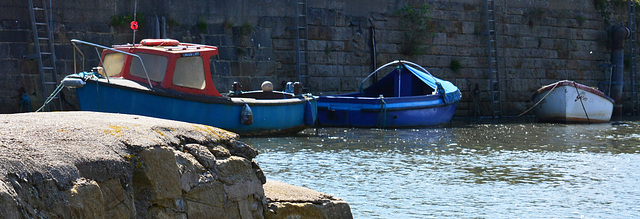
(201,26)
(125,20)
(606,7)
(246,29)
(327,49)
(415,23)
(624,2)
(455,66)
(534,16)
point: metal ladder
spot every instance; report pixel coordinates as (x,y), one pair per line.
(44,51)
(302,44)
(632,57)
(492,51)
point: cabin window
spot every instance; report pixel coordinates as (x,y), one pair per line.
(189,72)
(156,66)
(113,63)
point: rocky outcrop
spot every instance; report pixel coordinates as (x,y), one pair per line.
(98,165)
(288,201)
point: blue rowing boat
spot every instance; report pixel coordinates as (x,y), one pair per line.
(178,86)
(408,96)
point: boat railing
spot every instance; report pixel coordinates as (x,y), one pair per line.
(74,41)
(392,63)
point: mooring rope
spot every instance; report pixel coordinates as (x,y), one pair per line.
(383,112)
(534,105)
(583,108)
(51,96)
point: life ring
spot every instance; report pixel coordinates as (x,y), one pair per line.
(159,42)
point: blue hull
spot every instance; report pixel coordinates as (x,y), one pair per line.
(269,116)
(392,112)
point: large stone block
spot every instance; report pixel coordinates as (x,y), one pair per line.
(85,200)
(349,84)
(357,71)
(284,44)
(321,17)
(261,37)
(15,24)
(320,33)
(227,53)
(286,57)
(440,39)
(342,33)
(325,70)
(288,201)
(389,36)
(325,83)
(319,45)
(9,66)
(14,36)
(276,25)
(117,199)
(157,177)
(214,40)
(388,48)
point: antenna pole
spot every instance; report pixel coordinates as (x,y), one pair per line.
(135,13)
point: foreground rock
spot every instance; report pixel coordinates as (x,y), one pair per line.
(288,201)
(97,165)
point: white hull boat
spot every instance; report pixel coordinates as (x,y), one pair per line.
(571,102)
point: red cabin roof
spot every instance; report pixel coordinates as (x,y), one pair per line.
(171,65)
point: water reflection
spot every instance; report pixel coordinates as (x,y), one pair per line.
(467,170)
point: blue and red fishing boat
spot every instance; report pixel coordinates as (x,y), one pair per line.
(408,96)
(168,79)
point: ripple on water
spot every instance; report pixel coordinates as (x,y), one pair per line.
(483,170)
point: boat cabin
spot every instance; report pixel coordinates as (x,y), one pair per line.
(169,64)
(401,82)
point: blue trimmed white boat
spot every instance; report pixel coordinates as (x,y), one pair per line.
(172,80)
(409,96)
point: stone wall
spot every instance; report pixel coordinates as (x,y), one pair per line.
(539,42)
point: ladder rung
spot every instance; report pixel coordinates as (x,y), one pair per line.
(47,68)
(51,83)
(43,38)
(38,9)
(45,53)
(41,24)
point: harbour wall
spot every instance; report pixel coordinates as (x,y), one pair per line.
(539,42)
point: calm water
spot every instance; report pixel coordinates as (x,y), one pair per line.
(466,171)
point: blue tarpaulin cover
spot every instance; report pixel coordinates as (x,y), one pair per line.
(452,93)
